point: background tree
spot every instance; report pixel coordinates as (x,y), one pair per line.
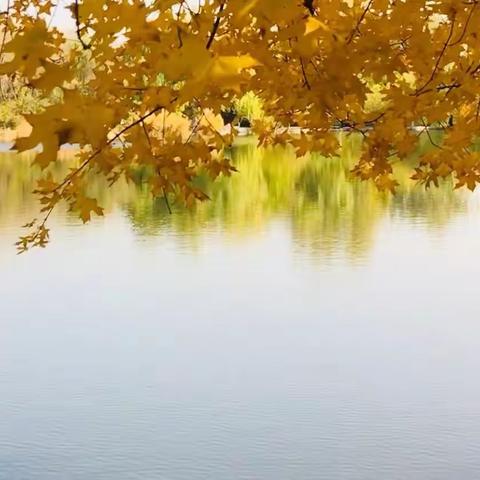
(311,63)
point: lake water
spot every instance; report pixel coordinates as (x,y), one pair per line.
(297,326)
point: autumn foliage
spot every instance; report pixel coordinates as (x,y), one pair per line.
(159,73)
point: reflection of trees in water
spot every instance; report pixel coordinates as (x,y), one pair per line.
(18,179)
(334,212)
(16,184)
(433,207)
(328,211)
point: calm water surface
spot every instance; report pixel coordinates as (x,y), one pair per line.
(298,326)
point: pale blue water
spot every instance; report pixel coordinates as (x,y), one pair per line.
(244,350)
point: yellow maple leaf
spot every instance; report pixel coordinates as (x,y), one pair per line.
(85,206)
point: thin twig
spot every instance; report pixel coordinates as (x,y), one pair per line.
(165,196)
(76,12)
(216,24)
(70,177)
(167,203)
(52,16)
(306,82)
(359,22)
(465,27)
(439,59)
(429,136)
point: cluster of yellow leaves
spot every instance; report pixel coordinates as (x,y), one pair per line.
(160,73)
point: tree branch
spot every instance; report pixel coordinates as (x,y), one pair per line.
(467,22)
(359,22)
(99,150)
(439,59)
(304,73)
(216,24)
(76,14)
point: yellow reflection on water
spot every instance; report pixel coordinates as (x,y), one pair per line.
(326,211)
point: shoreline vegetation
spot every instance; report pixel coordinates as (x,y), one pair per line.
(23,129)
(17,101)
